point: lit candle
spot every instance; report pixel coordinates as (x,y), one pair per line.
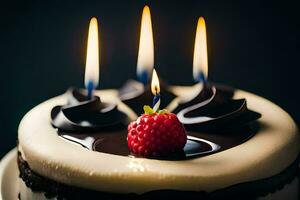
(200,61)
(145,61)
(155,91)
(134,93)
(91,78)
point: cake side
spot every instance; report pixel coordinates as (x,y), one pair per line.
(272,149)
(34,186)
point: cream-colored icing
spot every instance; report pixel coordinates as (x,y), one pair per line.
(271,150)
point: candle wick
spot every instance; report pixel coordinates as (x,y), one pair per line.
(143,77)
(201,78)
(90,88)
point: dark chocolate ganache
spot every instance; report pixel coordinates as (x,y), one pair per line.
(135,95)
(213,109)
(198,143)
(86,115)
(101,127)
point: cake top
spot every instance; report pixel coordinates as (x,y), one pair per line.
(214,122)
(277,141)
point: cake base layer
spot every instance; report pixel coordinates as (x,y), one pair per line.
(50,189)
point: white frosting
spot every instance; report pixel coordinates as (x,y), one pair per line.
(271,150)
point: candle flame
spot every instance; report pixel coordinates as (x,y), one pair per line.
(92,57)
(155,88)
(200,61)
(145,60)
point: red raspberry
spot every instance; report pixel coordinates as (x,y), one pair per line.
(153,135)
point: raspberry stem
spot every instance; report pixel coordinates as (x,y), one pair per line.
(149,111)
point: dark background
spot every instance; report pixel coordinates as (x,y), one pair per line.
(253,45)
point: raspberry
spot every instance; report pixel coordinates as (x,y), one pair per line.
(153,135)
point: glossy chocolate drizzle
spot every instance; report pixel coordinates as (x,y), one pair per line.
(115,142)
(213,109)
(198,143)
(136,95)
